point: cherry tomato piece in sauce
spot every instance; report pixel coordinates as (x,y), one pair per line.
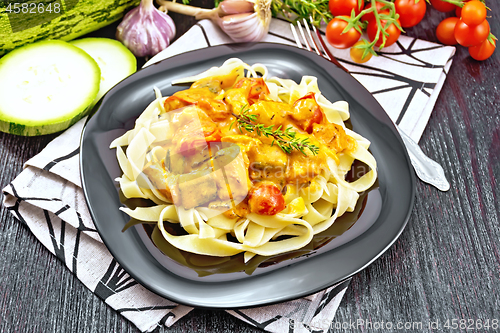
(446,31)
(266,199)
(306,112)
(410,12)
(443,6)
(336,37)
(345,7)
(467,35)
(484,50)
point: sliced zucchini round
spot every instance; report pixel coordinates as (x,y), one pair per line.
(45,87)
(114,59)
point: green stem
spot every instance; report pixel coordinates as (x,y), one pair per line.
(458,3)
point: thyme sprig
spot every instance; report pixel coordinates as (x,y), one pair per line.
(287,140)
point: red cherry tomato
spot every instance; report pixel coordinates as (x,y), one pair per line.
(345,7)
(393,31)
(266,199)
(340,40)
(410,13)
(443,6)
(458,10)
(473,12)
(483,51)
(467,35)
(446,31)
(370,16)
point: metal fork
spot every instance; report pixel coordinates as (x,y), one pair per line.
(426,169)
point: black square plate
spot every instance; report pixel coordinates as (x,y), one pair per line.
(377,229)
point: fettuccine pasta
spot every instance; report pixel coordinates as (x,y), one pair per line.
(242,163)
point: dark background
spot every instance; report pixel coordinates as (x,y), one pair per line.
(445,265)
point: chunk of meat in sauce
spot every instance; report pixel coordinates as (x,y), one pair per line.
(193,128)
(301,168)
(231,174)
(268,163)
(255,88)
(334,136)
(245,93)
(216,83)
(197,188)
(203,98)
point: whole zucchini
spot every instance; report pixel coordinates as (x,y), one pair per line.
(23,22)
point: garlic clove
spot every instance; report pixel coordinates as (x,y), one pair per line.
(243,29)
(236,19)
(228,7)
(241,20)
(246,27)
(145,30)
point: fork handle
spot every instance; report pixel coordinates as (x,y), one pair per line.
(426,169)
(332,58)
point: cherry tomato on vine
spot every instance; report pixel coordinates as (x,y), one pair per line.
(473,12)
(467,35)
(443,6)
(445,31)
(410,13)
(336,38)
(458,10)
(357,54)
(370,16)
(484,50)
(393,31)
(344,7)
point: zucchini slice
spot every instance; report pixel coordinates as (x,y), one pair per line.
(45,87)
(114,59)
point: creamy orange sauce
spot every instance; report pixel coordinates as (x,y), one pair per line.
(204,126)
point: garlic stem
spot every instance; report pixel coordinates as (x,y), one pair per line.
(241,20)
(197,12)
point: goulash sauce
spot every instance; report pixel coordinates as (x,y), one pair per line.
(205,135)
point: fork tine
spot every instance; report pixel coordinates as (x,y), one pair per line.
(294,33)
(306,26)
(323,52)
(320,50)
(330,56)
(299,26)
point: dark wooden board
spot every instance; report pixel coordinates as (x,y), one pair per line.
(445,265)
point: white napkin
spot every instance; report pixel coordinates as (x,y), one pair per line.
(48,199)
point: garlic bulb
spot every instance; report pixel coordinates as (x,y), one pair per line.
(241,20)
(145,30)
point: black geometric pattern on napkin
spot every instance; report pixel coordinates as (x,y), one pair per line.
(60,159)
(114,281)
(15,208)
(330,295)
(57,242)
(261,325)
(204,34)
